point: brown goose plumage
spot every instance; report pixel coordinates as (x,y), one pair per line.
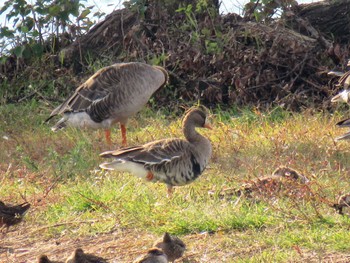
(172,246)
(113,94)
(282,178)
(154,255)
(79,256)
(344,124)
(174,162)
(342,202)
(12,215)
(45,259)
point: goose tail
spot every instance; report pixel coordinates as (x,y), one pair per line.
(61,124)
(114,165)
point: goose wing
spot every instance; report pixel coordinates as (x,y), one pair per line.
(87,93)
(98,94)
(152,153)
(344,124)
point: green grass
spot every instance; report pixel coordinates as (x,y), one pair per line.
(58,173)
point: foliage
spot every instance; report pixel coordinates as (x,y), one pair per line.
(266,10)
(46,25)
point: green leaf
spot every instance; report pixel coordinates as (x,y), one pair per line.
(24,29)
(35,33)
(6,32)
(54,10)
(5,6)
(37,49)
(18,51)
(84,14)
(27,53)
(3,60)
(29,23)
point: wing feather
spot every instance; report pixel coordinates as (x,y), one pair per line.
(152,153)
(109,86)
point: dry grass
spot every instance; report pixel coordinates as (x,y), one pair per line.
(119,216)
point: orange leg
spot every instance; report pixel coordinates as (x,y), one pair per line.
(149,176)
(123,129)
(170,191)
(108,136)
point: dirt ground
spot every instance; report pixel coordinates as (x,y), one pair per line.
(24,244)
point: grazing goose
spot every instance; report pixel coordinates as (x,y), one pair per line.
(290,173)
(154,255)
(79,256)
(111,95)
(283,178)
(342,202)
(172,246)
(174,162)
(12,215)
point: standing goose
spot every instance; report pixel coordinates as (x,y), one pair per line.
(174,162)
(111,95)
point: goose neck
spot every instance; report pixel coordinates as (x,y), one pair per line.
(191,134)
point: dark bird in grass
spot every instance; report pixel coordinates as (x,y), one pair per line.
(45,259)
(283,178)
(342,202)
(12,215)
(78,256)
(174,162)
(113,94)
(290,173)
(172,246)
(154,255)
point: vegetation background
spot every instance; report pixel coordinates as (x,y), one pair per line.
(264,76)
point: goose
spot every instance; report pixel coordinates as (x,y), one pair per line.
(344,81)
(174,162)
(12,215)
(290,173)
(344,124)
(154,255)
(281,177)
(45,259)
(342,202)
(78,256)
(172,246)
(113,94)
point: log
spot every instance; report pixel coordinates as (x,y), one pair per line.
(332,18)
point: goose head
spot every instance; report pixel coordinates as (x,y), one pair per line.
(196,117)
